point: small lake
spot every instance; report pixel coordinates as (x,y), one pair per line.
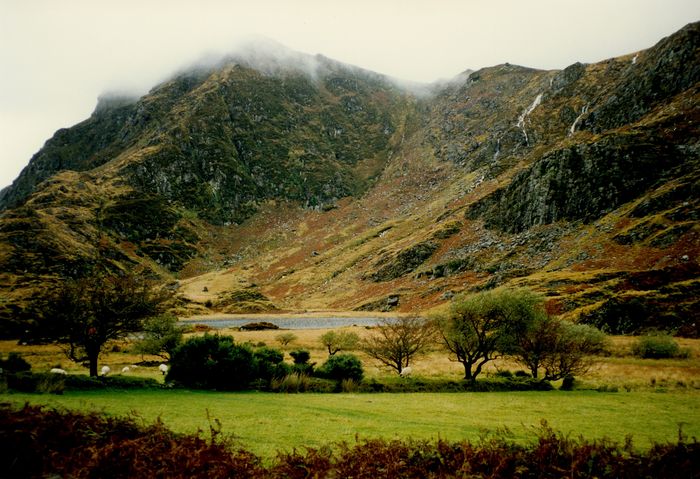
(330,322)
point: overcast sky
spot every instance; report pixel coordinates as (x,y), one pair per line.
(57,56)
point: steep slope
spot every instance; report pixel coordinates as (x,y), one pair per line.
(208,147)
(510,182)
(324,186)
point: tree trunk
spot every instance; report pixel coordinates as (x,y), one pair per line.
(92,359)
(468,372)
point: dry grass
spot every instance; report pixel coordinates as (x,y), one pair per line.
(620,369)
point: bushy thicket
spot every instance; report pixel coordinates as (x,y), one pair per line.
(658,346)
(217,362)
(302,362)
(14,363)
(58,383)
(36,442)
(212,362)
(341,367)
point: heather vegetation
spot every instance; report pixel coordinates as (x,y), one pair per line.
(38,442)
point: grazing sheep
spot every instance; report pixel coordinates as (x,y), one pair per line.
(58,371)
(163,368)
(405,372)
(105,370)
(126,369)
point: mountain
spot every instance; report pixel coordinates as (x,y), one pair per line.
(282,181)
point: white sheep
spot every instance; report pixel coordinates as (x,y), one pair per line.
(126,369)
(58,371)
(405,372)
(105,370)
(163,368)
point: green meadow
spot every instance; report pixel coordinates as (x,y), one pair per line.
(267,422)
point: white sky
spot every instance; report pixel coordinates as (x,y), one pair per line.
(57,56)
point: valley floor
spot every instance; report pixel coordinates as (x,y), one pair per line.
(618,370)
(621,395)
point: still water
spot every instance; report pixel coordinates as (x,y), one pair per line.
(330,322)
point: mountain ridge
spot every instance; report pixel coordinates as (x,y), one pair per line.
(345,191)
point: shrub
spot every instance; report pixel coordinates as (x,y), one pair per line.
(342,366)
(212,362)
(82,382)
(657,346)
(49,383)
(291,383)
(269,364)
(568,383)
(301,362)
(300,356)
(14,363)
(35,442)
(57,383)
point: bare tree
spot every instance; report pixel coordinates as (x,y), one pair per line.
(399,340)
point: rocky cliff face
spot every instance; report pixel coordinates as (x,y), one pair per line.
(319,185)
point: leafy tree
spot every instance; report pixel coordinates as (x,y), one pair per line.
(84,314)
(484,326)
(286,338)
(399,340)
(558,348)
(335,341)
(161,336)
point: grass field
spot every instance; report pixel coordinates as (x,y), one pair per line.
(654,397)
(266,423)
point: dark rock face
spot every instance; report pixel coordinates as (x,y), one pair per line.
(404,261)
(658,74)
(579,183)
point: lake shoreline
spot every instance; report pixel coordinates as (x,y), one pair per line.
(313,320)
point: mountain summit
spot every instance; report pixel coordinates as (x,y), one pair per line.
(295,182)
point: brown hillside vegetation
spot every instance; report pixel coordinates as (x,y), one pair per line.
(283,192)
(37,442)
